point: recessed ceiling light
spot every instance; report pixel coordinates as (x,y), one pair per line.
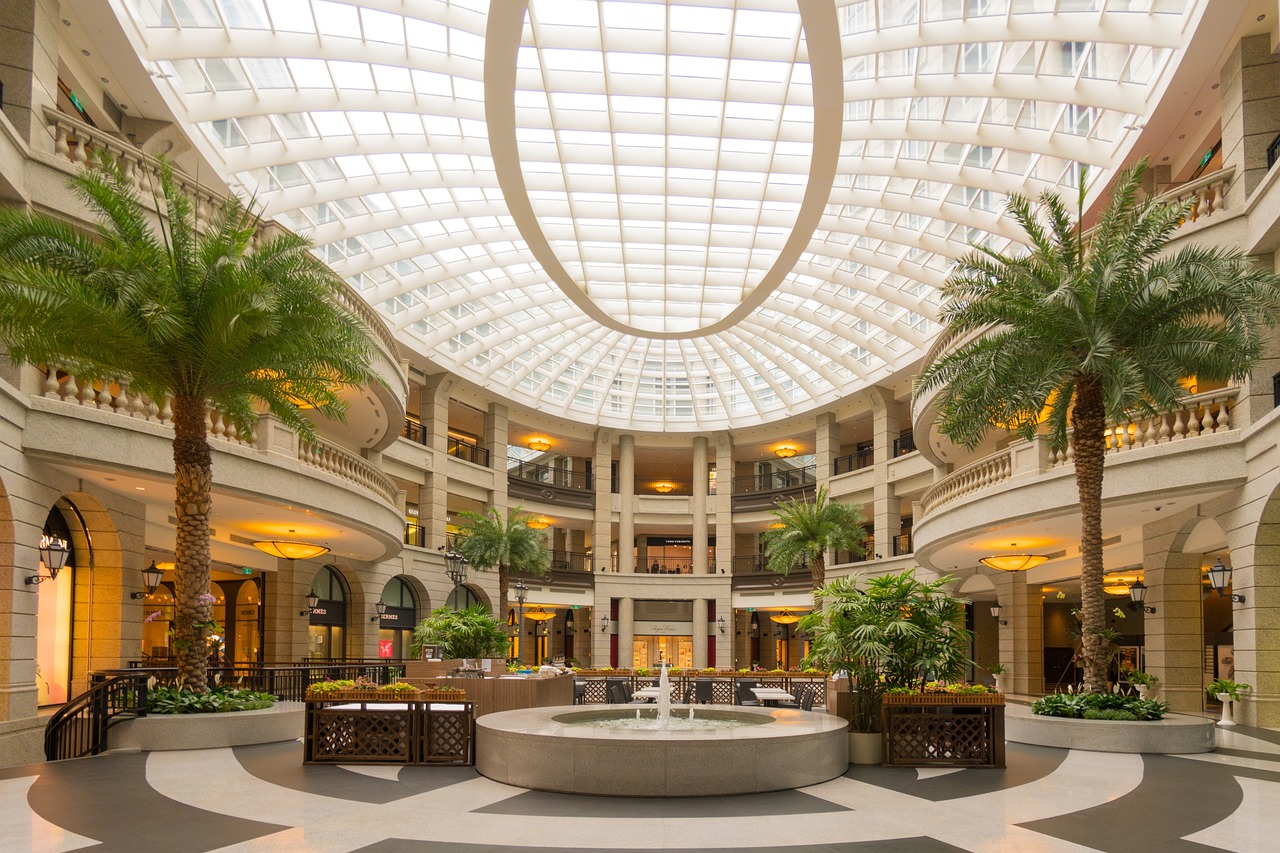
(1198,112)
(104,79)
(84,52)
(1182,136)
(140,488)
(1165,160)
(1262,17)
(1215,85)
(65,22)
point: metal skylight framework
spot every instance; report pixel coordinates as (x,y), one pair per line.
(659,214)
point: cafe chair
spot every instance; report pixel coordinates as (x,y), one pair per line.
(745,696)
(704,691)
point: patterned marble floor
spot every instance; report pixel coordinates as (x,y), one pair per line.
(262,799)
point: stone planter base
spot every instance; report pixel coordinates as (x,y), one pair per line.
(161,732)
(1176,734)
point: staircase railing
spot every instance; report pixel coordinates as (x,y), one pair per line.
(80,726)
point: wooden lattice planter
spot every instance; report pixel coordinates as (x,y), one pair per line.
(430,695)
(943,730)
(388,731)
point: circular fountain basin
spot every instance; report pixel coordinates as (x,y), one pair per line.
(576,751)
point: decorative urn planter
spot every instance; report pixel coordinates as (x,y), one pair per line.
(1228,711)
(1002,683)
(1144,690)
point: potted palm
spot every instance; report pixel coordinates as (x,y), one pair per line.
(889,632)
(470,633)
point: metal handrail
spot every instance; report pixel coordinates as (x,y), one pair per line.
(546,475)
(79,728)
(788,478)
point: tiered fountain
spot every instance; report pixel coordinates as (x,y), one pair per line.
(707,751)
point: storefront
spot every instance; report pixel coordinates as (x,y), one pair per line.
(327,625)
(397,620)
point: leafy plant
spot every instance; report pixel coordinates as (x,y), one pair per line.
(1137,676)
(219,316)
(1099,706)
(398,688)
(175,700)
(892,631)
(492,541)
(996,668)
(1071,329)
(1226,685)
(808,530)
(470,633)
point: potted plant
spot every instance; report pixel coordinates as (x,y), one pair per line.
(1000,674)
(1144,683)
(1227,692)
(470,633)
(891,631)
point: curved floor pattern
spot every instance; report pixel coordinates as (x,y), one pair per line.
(260,798)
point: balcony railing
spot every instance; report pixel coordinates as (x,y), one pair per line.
(668,566)
(415,534)
(787,479)
(473,453)
(904,444)
(570,561)
(854,461)
(548,476)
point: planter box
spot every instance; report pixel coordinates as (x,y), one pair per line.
(943,730)
(413,733)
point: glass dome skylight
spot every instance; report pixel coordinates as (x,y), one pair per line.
(668,215)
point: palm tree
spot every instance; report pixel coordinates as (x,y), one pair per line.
(491,541)
(1083,327)
(806,530)
(199,314)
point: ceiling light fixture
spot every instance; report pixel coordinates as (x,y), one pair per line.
(291,549)
(538,614)
(1014,562)
(785,451)
(786,617)
(663,488)
(541,445)
(538,523)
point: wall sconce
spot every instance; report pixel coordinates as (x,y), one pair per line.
(53,553)
(151,577)
(568,622)
(539,445)
(381,607)
(1219,579)
(996,609)
(604,624)
(720,624)
(1137,597)
(313,601)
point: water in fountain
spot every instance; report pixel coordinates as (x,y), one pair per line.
(664,699)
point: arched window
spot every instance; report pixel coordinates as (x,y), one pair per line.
(327,626)
(395,626)
(462,597)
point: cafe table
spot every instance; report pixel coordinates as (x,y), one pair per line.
(772,695)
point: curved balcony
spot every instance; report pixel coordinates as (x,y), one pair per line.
(1025,490)
(103,431)
(374,412)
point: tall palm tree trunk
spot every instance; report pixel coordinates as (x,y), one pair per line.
(504,581)
(193,481)
(818,568)
(1088,420)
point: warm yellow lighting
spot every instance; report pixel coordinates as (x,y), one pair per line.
(539,444)
(1014,562)
(538,523)
(1118,584)
(663,488)
(537,614)
(785,451)
(786,617)
(166,566)
(290,549)
(778,525)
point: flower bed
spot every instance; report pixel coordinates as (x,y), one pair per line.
(1099,706)
(172,700)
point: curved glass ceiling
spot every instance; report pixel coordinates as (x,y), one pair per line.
(661,214)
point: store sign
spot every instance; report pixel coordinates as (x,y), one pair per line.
(397,617)
(328,612)
(664,629)
(385,649)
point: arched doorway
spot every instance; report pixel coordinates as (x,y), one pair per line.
(397,621)
(327,626)
(55,610)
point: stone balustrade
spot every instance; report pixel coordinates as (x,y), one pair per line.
(972,478)
(332,459)
(1206,195)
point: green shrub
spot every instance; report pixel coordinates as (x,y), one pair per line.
(171,700)
(1099,706)
(1109,714)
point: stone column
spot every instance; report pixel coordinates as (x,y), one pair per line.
(700,633)
(724,505)
(602,520)
(495,440)
(885,513)
(698,505)
(627,504)
(725,642)
(1175,632)
(826,445)
(1250,93)
(29,67)
(626,632)
(1022,640)
(284,636)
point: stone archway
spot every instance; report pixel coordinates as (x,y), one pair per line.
(12,671)
(102,638)
(1256,576)
(1174,552)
